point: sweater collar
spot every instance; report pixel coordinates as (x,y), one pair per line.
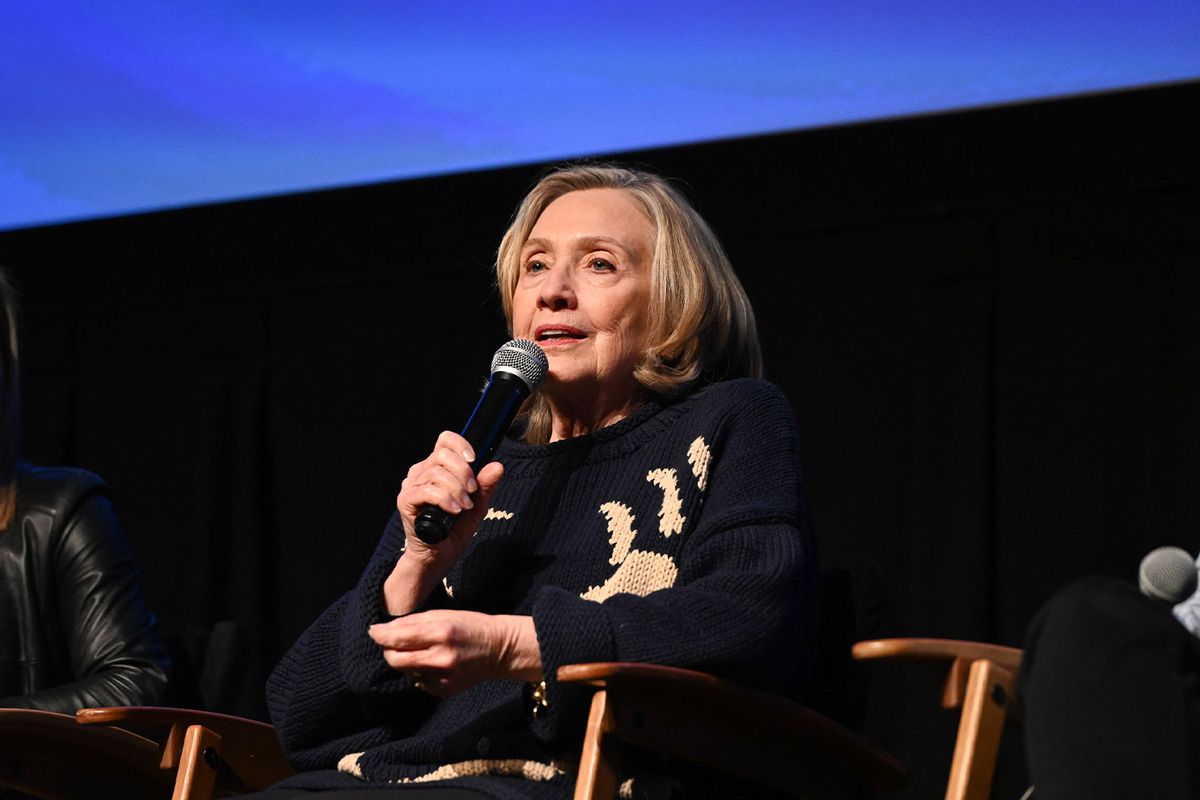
(620,437)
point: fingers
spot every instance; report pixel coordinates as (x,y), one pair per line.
(414,633)
(428,630)
(434,488)
(489,478)
(433,669)
(453,454)
(444,479)
(450,650)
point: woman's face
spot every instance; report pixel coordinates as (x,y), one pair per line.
(583,292)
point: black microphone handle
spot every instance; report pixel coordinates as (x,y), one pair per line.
(484,431)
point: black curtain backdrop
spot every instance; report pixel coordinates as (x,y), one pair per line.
(987,323)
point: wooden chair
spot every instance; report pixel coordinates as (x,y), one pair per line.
(695,717)
(46,754)
(204,754)
(686,715)
(144,752)
(782,745)
(979,679)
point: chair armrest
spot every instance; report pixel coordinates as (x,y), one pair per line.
(937,650)
(750,733)
(153,722)
(958,656)
(249,748)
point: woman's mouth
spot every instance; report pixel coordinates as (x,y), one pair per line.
(556,335)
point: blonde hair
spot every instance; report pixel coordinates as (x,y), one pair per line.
(701,326)
(10,406)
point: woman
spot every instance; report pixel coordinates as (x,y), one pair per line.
(73,630)
(649,509)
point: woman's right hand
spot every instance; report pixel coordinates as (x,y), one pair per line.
(444,479)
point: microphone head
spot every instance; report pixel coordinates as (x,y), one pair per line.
(524,359)
(1168,574)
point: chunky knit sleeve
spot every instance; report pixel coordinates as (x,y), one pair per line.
(741,603)
(333,693)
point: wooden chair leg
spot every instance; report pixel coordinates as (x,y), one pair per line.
(196,777)
(601,753)
(989,691)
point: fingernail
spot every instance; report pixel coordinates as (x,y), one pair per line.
(466,501)
(472,485)
(469,454)
(454,506)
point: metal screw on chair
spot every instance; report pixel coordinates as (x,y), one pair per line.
(210,756)
(999,696)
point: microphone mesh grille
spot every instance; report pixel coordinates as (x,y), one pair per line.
(524,359)
(1168,573)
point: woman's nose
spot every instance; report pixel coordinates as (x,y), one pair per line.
(557,290)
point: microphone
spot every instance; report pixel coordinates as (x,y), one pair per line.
(518,369)
(1167,574)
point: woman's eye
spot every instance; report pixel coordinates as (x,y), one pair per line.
(600,265)
(535,266)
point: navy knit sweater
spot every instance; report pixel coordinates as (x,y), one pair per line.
(676,536)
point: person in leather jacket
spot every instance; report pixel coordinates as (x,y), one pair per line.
(74,632)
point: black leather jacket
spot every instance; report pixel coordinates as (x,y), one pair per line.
(73,630)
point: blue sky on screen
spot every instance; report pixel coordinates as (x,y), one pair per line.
(113,108)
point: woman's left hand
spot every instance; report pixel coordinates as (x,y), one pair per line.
(453,650)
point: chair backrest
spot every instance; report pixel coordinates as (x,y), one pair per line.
(979,680)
